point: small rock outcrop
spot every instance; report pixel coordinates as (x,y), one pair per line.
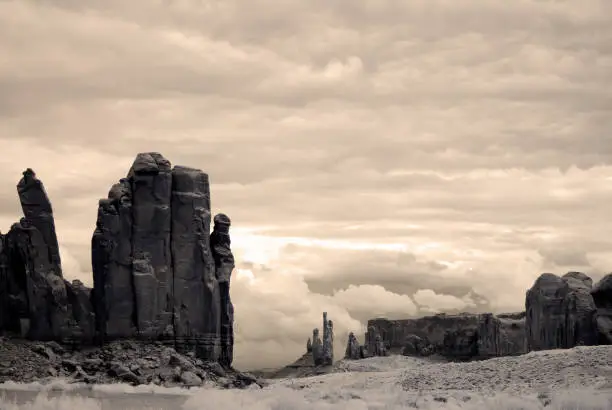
(353,350)
(561,312)
(602,296)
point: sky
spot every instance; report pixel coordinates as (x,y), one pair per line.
(377,157)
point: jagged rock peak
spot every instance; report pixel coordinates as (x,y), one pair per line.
(38,211)
(149,163)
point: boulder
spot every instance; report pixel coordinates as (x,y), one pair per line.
(602,296)
(561,312)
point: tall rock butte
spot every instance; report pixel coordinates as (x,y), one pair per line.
(158,272)
(156,275)
(568,311)
(561,312)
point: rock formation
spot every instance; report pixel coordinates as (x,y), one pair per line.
(353,349)
(602,296)
(38,211)
(461,336)
(161,275)
(36,301)
(158,272)
(561,312)
(317,348)
(224,265)
(328,341)
(322,350)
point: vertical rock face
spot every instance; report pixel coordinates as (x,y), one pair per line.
(561,312)
(196,289)
(113,296)
(602,296)
(38,211)
(151,181)
(158,271)
(353,349)
(224,265)
(460,336)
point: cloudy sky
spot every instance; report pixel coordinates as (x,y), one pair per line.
(377,157)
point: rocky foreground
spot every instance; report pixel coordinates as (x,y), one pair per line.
(536,372)
(124,361)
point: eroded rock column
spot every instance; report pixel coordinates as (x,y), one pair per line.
(151,183)
(113,296)
(224,265)
(38,211)
(197,307)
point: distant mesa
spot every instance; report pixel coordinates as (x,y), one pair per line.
(159,274)
(560,313)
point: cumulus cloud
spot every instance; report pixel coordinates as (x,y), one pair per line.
(434,302)
(372,150)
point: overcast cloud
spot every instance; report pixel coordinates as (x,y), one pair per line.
(377,157)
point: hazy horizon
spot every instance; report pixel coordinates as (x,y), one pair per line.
(376,157)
